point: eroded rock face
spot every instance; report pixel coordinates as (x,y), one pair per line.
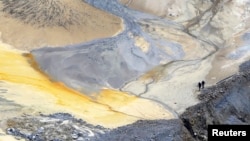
(38,23)
(221,22)
(172,9)
(225,103)
(44,13)
(161,130)
(216,21)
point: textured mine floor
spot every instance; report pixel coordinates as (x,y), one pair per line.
(112,63)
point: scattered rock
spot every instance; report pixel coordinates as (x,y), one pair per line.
(225,103)
(52,127)
(11,131)
(74,135)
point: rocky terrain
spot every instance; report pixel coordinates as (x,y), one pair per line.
(221,23)
(35,24)
(60,126)
(151,56)
(224,103)
(99,70)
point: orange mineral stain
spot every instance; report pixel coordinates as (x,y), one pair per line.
(110,108)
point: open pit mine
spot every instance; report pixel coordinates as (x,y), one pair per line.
(109,70)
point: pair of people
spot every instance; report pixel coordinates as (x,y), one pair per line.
(201,85)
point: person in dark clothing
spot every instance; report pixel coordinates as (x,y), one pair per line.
(202,84)
(199,85)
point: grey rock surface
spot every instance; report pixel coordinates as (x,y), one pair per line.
(105,62)
(112,62)
(161,130)
(215,21)
(56,127)
(225,103)
(64,127)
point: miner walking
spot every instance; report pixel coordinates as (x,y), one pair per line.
(199,85)
(202,84)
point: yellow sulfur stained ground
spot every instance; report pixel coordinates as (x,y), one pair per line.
(32,89)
